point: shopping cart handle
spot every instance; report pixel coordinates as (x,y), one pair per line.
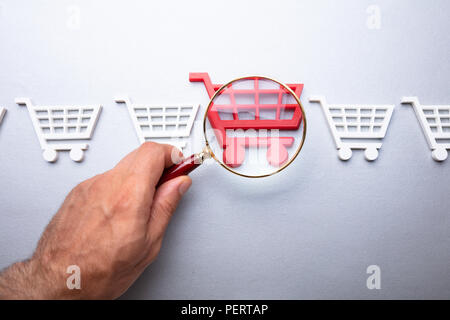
(183,168)
(199,77)
(203,77)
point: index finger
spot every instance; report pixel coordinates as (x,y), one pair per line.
(151,158)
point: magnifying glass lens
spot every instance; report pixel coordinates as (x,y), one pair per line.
(254,126)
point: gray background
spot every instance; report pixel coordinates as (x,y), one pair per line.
(309,232)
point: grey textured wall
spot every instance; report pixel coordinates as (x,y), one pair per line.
(309,232)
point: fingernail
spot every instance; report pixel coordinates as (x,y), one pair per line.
(184,187)
(176,155)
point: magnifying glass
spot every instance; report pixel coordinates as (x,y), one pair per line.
(253,126)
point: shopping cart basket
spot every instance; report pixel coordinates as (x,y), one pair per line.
(154,122)
(353,126)
(62,123)
(435,122)
(234,147)
(2,113)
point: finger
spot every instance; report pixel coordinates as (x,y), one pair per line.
(170,153)
(164,204)
(152,158)
(147,162)
(126,162)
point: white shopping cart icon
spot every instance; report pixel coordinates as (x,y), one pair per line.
(435,122)
(156,122)
(62,123)
(2,113)
(354,126)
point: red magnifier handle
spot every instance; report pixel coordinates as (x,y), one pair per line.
(180,169)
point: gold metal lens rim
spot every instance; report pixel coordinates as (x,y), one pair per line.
(245,78)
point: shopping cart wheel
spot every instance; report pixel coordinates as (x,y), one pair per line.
(439,154)
(50,155)
(371,153)
(76,154)
(345,153)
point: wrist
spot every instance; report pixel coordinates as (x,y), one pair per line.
(42,280)
(30,279)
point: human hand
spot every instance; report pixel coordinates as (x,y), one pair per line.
(111,226)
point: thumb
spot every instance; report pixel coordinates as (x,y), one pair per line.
(164,204)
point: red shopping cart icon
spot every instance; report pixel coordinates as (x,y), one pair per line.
(234,147)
